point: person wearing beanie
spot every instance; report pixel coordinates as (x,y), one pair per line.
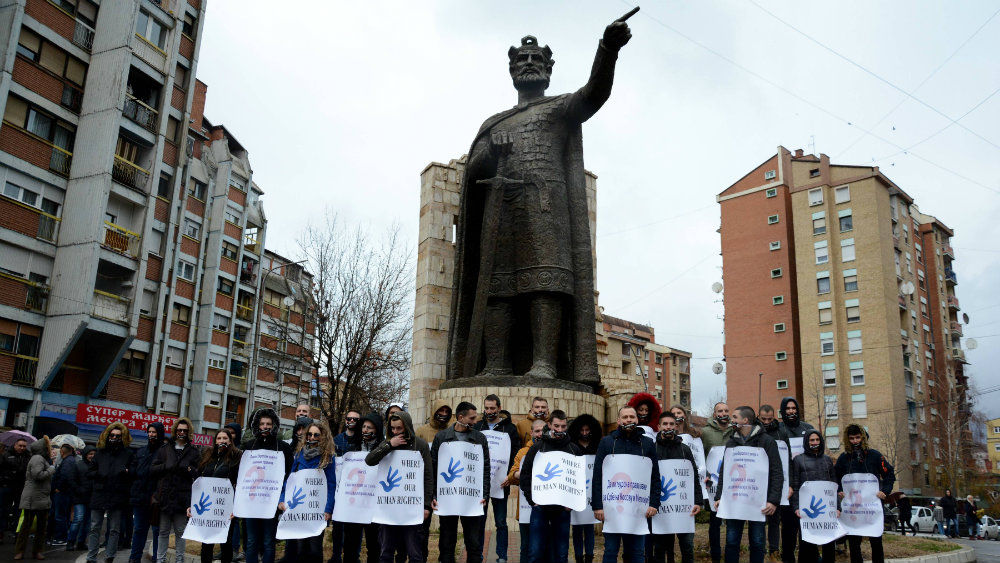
(811,465)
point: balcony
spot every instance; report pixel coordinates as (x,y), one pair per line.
(140,113)
(895,242)
(902,303)
(241,348)
(912,425)
(121,240)
(948,251)
(47,226)
(38,298)
(904,335)
(24,369)
(909,392)
(237,383)
(111,307)
(958,354)
(956,328)
(244,313)
(950,277)
(130,174)
(83,36)
(953,303)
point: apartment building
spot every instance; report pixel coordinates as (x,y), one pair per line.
(993,444)
(837,290)
(660,370)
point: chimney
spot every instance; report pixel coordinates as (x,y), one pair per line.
(798,153)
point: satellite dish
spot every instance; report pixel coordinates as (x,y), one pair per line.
(907,288)
(965,318)
(971,344)
(288,301)
(717,288)
(717,367)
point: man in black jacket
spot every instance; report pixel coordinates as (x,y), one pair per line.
(142,492)
(83,489)
(549,535)
(859,458)
(750,433)
(111,474)
(15,466)
(771,426)
(950,509)
(792,427)
(462,431)
(670,446)
(261,531)
(493,419)
(176,467)
(62,493)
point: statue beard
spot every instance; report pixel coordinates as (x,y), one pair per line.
(531,81)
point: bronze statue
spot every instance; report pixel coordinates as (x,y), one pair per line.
(523,303)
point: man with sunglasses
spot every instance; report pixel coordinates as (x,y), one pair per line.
(342,441)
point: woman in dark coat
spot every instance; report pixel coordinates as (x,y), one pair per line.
(222,461)
(812,465)
(585,431)
(36,498)
(176,466)
(111,475)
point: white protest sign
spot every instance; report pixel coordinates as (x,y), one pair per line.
(339,468)
(355,498)
(499,459)
(713,463)
(744,484)
(677,482)
(625,493)
(648,432)
(559,479)
(861,509)
(305,504)
(524,509)
(796,445)
(586,516)
(460,479)
(258,487)
(818,510)
(698,449)
(783,454)
(211,510)
(399,497)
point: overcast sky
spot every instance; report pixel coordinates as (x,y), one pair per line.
(341,105)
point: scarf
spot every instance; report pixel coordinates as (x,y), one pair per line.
(310,453)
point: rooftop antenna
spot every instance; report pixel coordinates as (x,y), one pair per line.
(812,144)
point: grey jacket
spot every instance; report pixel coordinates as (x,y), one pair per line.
(37,493)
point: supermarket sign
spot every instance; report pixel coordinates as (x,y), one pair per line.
(133,420)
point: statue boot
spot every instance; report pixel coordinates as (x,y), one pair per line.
(546,321)
(496,338)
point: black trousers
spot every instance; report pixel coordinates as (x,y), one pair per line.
(449,537)
(774,532)
(854,545)
(809,552)
(789,533)
(226,547)
(307,550)
(352,542)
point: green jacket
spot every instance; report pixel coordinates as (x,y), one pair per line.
(714,435)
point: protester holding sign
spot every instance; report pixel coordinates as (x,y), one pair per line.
(494,420)
(792,427)
(366,440)
(221,461)
(859,458)
(813,465)
(750,434)
(261,530)
(715,433)
(627,440)
(539,411)
(407,540)
(451,472)
(771,426)
(669,446)
(314,452)
(586,432)
(514,476)
(176,466)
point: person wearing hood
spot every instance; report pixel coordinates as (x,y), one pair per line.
(15,464)
(83,488)
(586,432)
(949,508)
(261,531)
(462,431)
(716,432)
(111,473)
(792,425)
(143,489)
(301,423)
(176,467)
(406,541)
(812,465)
(369,438)
(236,432)
(315,451)
(36,498)
(549,523)
(539,411)
(627,439)
(648,409)
(670,446)
(62,493)
(751,434)
(495,419)
(514,477)
(438,421)
(221,461)
(393,407)
(859,458)
(771,426)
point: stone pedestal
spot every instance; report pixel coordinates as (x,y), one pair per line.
(517,400)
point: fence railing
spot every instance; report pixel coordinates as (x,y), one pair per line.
(110,306)
(130,174)
(140,113)
(121,240)
(83,35)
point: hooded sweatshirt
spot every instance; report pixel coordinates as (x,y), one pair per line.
(84,486)
(864,460)
(414,443)
(112,471)
(237,433)
(596,433)
(810,466)
(792,428)
(675,448)
(633,443)
(547,443)
(652,419)
(270,442)
(429,431)
(757,438)
(176,467)
(503,424)
(358,443)
(145,484)
(37,492)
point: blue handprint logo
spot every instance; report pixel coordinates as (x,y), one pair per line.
(203,504)
(667,488)
(298,497)
(393,479)
(454,470)
(551,472)
(816,507)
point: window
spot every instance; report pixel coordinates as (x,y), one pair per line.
(854,342)
(151,30)
(842,194)
(29,44)
(165,187)
(859,406)
(847,250)
(216,361)
(776,245)
(173,128)
(779,327)
(26,116)
(829,374)
(830,403)
(226,287)
(229,250)
(191,228)
(846,220)
(823,282)
(185,270)
(175,356)
(857,373)
(220,322)
(825,312)
(181,77)
(189,26)
(772,219)
(233,215)
(198,189)
(780,356)
(850,280)
(816,196)
(819,223)
(182,314)
(853,310)
(822,252)
(51,58)
(814,173)
(782,384)
(776,273)
(7,342)
(923,307)
(826,344)
(771,192)
(777,300)
(832,438)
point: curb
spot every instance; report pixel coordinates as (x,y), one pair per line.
(963,555)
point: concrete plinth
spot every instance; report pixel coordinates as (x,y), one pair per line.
(517,400)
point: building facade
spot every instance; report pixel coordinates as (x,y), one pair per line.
(841,293)
(993,444)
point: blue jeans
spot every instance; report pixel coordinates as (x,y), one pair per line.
(549,534)
(714,533)
(79,525)
(583,540)
(235,527)
(260,539)
(633,548)
(500,520)
(140,530)
(734,537)
(61,503)
(952,524)
(525,542)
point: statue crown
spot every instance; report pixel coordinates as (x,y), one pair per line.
(529,43)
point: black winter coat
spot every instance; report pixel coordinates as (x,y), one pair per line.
(83,488)
(676,449)
(810,467)
(872,461)
(775,474)
(545,444)
(111,474)
(144,485)
(66,475)
(617,442)
(472,436)
(950,507)
(15,468)
(222,468)
(176,470)
(509,428)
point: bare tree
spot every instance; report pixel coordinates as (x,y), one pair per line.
(715,398)
(885,438)
(363,292)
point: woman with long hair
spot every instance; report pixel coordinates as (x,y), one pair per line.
(684,422)
(221,460)
(315,451)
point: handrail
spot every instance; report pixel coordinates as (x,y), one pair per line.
(60,159)
(113,296)
(129,174)
(151,44)
(136,110)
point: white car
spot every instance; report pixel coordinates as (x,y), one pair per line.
(989,528)
(922,519)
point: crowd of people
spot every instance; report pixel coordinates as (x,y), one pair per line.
(112,496)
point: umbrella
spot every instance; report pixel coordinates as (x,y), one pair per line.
(9,437)
(70,439)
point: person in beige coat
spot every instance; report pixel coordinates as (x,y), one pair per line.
(36,498)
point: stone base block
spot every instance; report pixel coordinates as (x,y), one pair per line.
(517,400)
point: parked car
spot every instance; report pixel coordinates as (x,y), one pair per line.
(989,528)
(922,519)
